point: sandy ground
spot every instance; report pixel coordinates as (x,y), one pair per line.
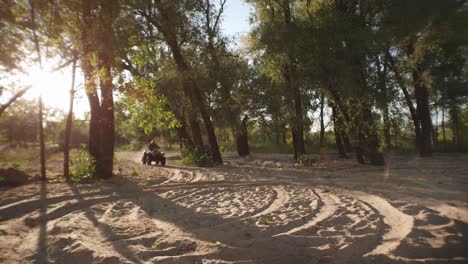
(260,209)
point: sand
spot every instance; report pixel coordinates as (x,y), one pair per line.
(260,209)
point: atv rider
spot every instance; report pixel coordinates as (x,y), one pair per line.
(151,146)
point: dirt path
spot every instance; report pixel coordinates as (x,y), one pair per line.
(262,209)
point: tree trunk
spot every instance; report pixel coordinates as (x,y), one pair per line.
(90,81)
(104,165)
(101,129)
(277,132)
(424,114)
(371,142)
(41,141)
(387,134)
(435,127)
(338,137)
(232,116)
(283,135)
(444,138)
(242,140)
(297,124)
(368,141)
(409,103)
(185,140)
(190,87)
(195,130)
(94,121)
(322,123)
(68,128)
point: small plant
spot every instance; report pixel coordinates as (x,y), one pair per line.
(265,221)
(83,166)
(305,160)
(222,149)
(199,157)
(16,165)
(135,171)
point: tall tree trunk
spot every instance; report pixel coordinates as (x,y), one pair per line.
(104,165)
(41,141)
(297,123)
(68,128)
(386,121)
(231,115)
(371,143)
(409,103)
(90,80)
(357,130)
(292,87)
(185,140)
(423,113)
(368,141)
(347,142)
(277,132)
(284,135)
(338,136)
(322,123)
(95,118)
(190,87)
(195,130)
(444,138)
(242,139)
(435,127)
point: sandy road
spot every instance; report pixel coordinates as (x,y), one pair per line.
(261,209)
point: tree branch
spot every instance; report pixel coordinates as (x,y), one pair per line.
(13,99)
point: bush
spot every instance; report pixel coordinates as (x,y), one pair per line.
(305,160)
(83,166)
(199,157)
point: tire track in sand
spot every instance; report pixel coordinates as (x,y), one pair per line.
(328,204)
(281,198)
(400,224)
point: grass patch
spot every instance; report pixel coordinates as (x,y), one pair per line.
(16,158)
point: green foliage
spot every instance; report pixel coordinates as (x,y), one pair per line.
(199,157)
(306,160)
(265,221)
(136,171)
(16,165)
(82,165)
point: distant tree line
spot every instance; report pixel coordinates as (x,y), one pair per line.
(379,68)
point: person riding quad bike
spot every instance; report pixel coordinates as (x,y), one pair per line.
(153,154)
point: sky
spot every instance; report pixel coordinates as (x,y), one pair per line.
(236,18)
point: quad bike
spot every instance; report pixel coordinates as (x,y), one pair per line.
(154,155)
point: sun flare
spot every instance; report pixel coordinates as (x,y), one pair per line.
(54,87)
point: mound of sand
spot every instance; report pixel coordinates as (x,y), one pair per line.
(13,177)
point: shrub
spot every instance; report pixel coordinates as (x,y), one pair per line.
(135,171)
(305,160)
(83,166)
(199,157)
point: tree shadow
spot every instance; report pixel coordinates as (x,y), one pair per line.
(41,253)
(104,229)
(23,208)
(240,239)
